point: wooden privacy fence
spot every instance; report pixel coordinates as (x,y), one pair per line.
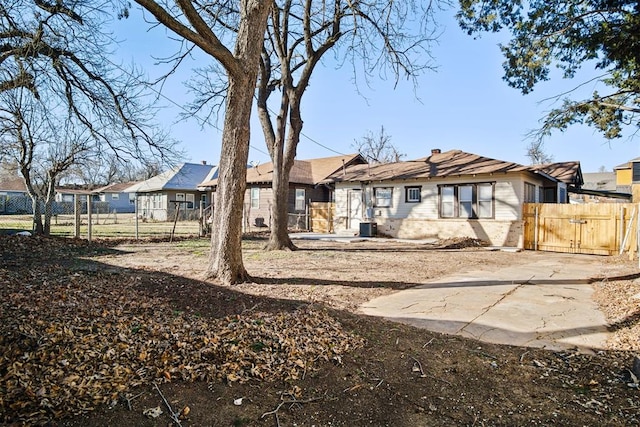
(598,228)
(322,215)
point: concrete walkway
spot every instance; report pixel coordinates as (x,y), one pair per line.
(546,303)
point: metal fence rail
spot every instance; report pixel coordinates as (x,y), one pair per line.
(102,225)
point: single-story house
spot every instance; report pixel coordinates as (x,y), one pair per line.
(160,196)
(117,198)
(628,178)
(599,187)
(304,187)
(448,194)
(14,198)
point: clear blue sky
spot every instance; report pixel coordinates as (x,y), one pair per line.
(463,105)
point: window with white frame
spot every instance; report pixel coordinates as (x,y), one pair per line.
(413,194)
(190,199)
(132,198)
(114,196)
(485,200)
(447,201)
(179,197)
(529,193)
(382,196)
(255,197)
(300,198)
(466,200)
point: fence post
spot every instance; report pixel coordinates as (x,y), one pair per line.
(622,209)
(89,217)
(201,221)
(76,216)
(535,230)
(135,210)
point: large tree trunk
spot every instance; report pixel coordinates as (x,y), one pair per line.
(283,161)
(225,259)
(279,236)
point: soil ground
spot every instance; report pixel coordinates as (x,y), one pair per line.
(125,333)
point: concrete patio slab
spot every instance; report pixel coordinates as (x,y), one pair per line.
(546,304)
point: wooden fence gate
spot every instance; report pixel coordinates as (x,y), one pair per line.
(322,215)
(598,228)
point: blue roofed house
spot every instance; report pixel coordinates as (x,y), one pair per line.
(161,196)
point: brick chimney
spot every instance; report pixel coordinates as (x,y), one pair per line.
(435,151)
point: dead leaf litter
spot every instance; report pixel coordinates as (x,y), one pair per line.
(71,343)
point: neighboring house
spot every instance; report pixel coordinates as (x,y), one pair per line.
(599,187)
(65,200)
(14,198)
(448,195)
(118,200)
(160,196)
(628,178)
(304,188)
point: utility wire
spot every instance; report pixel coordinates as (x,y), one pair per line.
(205,120)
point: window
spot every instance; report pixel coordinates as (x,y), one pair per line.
(179,197)
(114,196)
(300,196)
(382,197)
(132,198)
(157,201)
(447,202)
(191,198)
(485,200)
(562,194)
(413,194)
(466,201)
(255,197)
(529,193)
(548,194)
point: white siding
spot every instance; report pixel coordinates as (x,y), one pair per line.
(508,205)
(422,221)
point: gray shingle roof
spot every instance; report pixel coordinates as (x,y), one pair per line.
(186,177)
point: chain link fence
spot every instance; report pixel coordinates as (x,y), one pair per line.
(16,215)
(103,222)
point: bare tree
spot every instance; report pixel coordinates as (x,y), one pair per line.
(536,152)
(105,168)
(59,53)
(43,146)
(377,148)
(380,36)
(208,26)
(62,97)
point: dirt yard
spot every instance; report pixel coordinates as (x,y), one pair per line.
(129,334)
